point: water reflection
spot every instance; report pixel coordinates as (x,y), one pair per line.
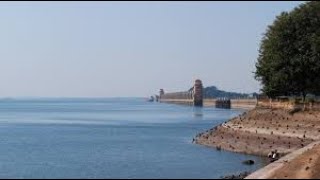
(197,112)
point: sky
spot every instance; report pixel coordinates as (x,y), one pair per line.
(130,49)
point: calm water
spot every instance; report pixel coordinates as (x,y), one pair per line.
(110,138)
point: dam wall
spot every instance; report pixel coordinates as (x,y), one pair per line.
(195,97)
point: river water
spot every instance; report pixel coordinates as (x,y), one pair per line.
(111,138)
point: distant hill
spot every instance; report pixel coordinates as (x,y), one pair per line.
(214,92)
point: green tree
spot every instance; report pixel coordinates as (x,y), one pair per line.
(289,55)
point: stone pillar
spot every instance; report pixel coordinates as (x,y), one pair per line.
(161,93)
(197,93)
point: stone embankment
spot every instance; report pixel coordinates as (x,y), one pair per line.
(259,131)
(295,134)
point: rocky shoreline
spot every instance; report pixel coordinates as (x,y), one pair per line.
(262,130)
(237,176)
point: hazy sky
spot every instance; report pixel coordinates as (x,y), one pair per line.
(114,49)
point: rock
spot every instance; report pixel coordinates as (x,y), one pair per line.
(239,176)
(248,162)
(294,110)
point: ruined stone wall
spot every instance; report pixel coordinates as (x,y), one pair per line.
(243,103)
(223,103)
(286,104)
(275,104)
(193,97)
(177,95)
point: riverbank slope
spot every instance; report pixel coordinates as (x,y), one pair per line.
(295,134)
(261,130)
(301,164)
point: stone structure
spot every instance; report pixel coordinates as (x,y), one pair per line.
(197,93)
(193,97)
(285,103)
(161,93)
(223,103)
(196,97)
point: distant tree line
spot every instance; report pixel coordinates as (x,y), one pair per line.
(214,92)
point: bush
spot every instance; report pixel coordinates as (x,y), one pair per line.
(310,100)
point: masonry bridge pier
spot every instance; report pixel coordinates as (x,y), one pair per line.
(195,97)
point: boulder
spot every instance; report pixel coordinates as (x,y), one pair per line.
(248,162)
